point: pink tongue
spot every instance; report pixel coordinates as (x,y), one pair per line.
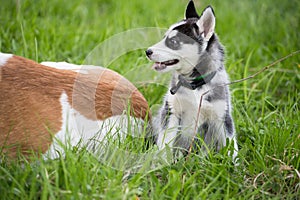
(158,66)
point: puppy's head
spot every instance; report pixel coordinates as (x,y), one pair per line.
(184,42)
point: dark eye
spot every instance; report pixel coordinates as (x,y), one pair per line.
(173,42)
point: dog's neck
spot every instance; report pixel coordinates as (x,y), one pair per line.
(192,82)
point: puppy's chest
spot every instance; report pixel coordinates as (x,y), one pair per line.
(185,102)
(185,105)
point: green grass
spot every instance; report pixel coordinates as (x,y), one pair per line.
(265,109)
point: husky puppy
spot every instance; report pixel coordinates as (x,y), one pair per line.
(192,51)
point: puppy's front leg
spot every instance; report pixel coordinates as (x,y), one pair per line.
(168,135)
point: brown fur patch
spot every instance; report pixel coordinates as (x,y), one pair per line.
(30,110)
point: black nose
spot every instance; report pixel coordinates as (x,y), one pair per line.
(149,52)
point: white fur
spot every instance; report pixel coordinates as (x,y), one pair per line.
(79,131)
(83,69)
(168,137)
(4,57)
(172,33)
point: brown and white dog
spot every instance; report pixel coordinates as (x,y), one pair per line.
(44,108)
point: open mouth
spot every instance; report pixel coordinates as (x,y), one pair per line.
(163,65)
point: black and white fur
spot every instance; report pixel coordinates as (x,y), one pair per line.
(190,48)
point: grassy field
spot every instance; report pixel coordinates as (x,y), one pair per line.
(265,108)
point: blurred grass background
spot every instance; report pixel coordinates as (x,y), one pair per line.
(266,108)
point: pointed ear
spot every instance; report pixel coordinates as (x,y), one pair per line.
(207,23)
(190,11)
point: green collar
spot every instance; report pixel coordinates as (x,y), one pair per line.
(201,77)
(194,83)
